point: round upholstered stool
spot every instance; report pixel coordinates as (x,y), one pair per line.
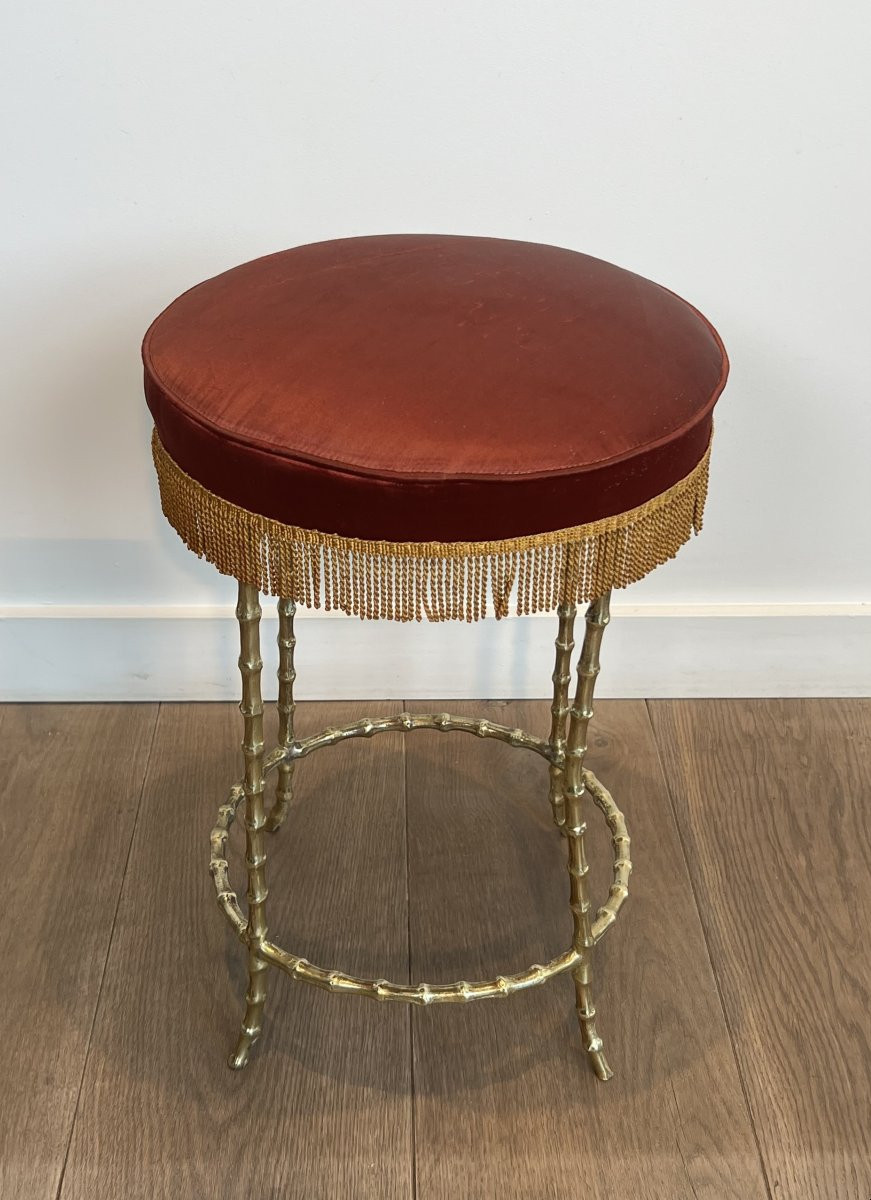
(429,427)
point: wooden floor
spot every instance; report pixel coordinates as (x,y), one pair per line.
(734,992)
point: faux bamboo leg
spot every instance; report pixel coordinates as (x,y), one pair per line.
(286,707)
(250,665)
(562,676)
(575,827)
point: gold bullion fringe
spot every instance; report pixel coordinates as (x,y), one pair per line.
(439,581)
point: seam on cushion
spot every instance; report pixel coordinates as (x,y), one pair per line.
(424,477)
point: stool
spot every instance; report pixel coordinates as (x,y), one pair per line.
(420,426)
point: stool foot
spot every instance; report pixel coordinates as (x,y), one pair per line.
(593,1044)
(239,1058)
(283,797)
(600,1065)
(275,820)
(587,1018)
(255,1002)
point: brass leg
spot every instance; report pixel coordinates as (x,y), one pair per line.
(250,665)
(286,707)
(562,676)
(575,828)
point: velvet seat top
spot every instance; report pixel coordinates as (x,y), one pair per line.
(433,388)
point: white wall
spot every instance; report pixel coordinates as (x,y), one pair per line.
(719,149)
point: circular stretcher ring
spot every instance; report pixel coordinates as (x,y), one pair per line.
(421,993)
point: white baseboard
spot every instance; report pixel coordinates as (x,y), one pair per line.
(189,653)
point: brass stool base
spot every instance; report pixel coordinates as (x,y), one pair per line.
(564,750)
(422,993)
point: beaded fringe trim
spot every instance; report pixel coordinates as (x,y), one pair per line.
(439,581)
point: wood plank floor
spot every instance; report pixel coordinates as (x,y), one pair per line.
(734,992)
(775,803)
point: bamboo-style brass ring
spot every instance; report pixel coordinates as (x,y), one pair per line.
(421,993)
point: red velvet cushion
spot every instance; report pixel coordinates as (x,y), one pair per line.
(433,388)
